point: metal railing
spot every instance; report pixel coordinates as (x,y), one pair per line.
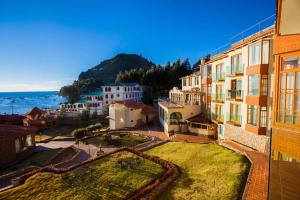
(256,28)
(235,94)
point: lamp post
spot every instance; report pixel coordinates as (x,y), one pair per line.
(12,106)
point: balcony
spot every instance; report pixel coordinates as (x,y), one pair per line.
(235,70)
(217,117)
(236,95)
(218,77)
(233,119)
(218,98)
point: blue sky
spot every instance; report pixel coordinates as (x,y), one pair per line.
(46,44)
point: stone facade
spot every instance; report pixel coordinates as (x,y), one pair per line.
(259,142)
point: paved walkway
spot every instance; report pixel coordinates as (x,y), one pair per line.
(258,182)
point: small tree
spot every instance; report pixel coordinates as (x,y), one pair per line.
(78,134)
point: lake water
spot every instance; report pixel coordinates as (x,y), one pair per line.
(22,102)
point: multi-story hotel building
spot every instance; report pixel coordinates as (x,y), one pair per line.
(242,91)
(121,91)
(285,143)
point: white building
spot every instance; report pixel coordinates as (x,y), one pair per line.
(129,113)
(97,102)
(121,91)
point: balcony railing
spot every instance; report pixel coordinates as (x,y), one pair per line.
(234,119)
(218,76)
(218,98)
(217,117)
(235,95)
(234,70)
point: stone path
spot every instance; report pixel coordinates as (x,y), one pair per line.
(258,182)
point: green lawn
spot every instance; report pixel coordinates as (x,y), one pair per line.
(129,140)
(208,171)
(101,179)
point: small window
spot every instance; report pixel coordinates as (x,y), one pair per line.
(263,117)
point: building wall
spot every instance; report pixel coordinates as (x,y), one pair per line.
(7,150)
(121,116)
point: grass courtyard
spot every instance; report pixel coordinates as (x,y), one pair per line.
(129,140)
(207,171)
(115,177)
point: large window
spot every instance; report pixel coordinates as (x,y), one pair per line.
(253,85)
(236,63)
(235,113)
(259,53)
(289,103)
(252,115)
(254,54)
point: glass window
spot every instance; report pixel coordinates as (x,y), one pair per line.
(263,117)
(289,104)
(265,52)
(252,115)
(254,54)
(253,85)
(264,85)
(291,63)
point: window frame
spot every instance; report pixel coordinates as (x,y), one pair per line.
(281,120)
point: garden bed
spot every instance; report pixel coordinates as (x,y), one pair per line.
(117,176)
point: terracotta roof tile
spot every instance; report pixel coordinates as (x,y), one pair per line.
(36,111)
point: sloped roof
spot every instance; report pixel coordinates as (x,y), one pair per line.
(36,111)
(146,109)
(15,131)
(200,118)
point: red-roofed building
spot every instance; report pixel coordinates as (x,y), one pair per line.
(15,142)
(129,113)
(40,118)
